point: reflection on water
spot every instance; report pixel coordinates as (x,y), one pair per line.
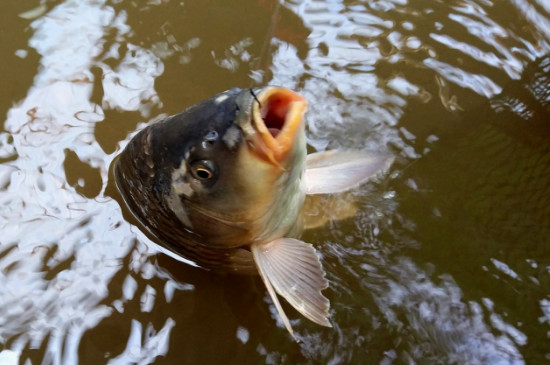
(445,261)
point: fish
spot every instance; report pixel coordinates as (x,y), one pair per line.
(223,183)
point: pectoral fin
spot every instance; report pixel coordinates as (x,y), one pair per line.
(338,171)
(291,268)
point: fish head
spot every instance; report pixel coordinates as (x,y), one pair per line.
(236,177)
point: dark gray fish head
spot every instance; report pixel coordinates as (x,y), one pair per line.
(226,172)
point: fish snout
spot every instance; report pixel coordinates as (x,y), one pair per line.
(277,118)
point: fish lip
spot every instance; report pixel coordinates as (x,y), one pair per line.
(276,107)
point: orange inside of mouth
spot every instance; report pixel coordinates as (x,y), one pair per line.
(277,118)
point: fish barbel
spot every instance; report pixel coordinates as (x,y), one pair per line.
(223,184)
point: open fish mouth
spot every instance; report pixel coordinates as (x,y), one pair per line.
(277,118)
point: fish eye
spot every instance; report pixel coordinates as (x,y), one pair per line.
(203,170)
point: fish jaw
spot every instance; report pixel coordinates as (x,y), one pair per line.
(272,161)
(277,120)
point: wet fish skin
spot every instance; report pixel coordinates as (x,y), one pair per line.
(223,184)
(144,169)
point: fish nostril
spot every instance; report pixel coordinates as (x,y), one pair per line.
(210,139)
(207,144)
(211,136)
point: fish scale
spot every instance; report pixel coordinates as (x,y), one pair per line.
(158,215)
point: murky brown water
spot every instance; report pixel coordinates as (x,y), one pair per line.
(447,260)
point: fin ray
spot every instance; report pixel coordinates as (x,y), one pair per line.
(275,300)
(338,171)
(293,269)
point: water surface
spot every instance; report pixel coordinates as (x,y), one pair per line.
(446,261)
